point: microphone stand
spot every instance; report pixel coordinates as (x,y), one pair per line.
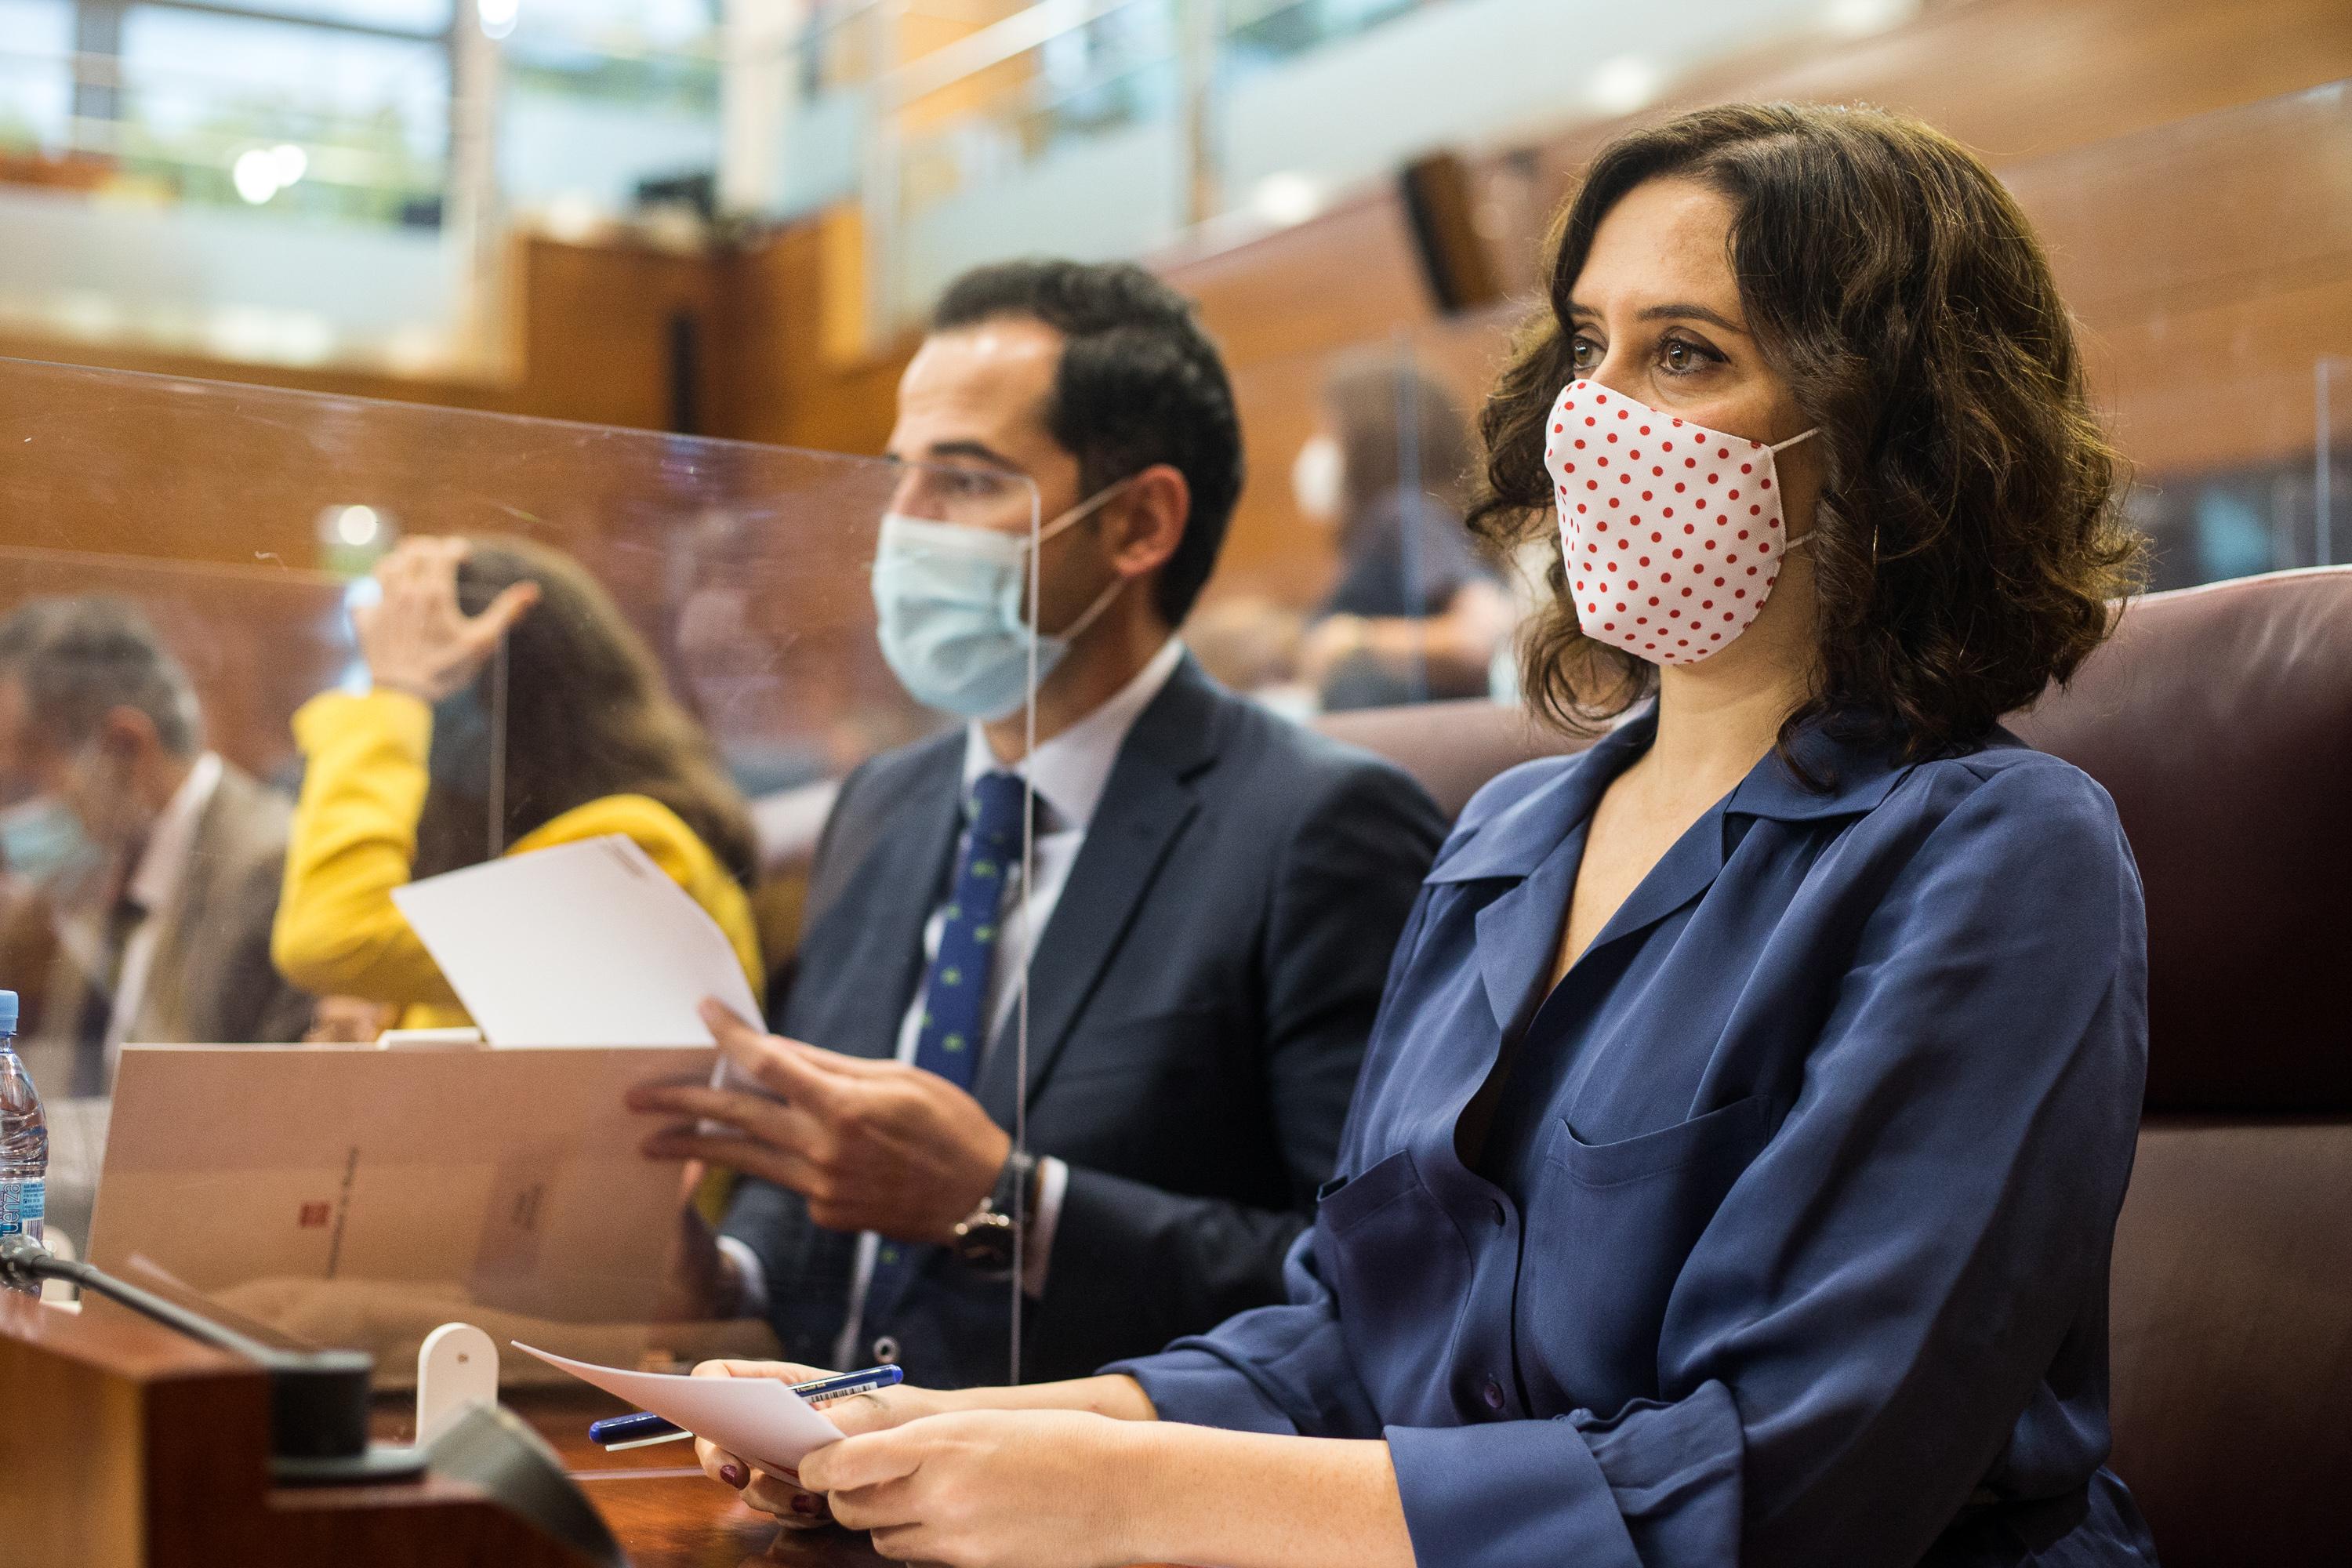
(318,1399)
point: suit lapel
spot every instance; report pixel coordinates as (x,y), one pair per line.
(182,945)
(888,898)
(1145,807)
(161,1001)
(891,883)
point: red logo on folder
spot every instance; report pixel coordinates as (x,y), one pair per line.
(316,1215)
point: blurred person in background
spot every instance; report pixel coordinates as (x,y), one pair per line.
(1250,643)
(163,922)
(398,780)
(40,841)
(1419,613)
(143,913)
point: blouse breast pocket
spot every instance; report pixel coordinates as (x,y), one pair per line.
(1608,1233)
(1399,1271)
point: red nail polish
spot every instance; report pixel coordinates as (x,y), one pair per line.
(804,1503)
(732,1475)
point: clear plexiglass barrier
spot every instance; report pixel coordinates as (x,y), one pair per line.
(1351,580)
(269,661)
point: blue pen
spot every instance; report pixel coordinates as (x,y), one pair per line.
(636,1431)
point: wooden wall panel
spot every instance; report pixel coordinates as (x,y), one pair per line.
(2210,264)
(795,369)
(2212,250)
(599,328)
(2023,79)
(1341,278)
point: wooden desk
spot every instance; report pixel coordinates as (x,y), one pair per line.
(117,1424)
(665,1511)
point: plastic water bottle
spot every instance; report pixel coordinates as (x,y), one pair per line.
(24,1135)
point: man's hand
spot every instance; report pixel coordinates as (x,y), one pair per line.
(416,637)
(778,1494)
(871,1145)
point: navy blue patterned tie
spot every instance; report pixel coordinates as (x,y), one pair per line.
(955,993)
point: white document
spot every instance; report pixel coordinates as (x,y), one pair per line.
(755,1418)
(510,1179)
(586,944)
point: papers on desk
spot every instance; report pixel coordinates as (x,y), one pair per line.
(511,1177)
(581,944)
(755,1418)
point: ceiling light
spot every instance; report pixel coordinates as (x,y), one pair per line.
(1854,18)
(358,526)
(254,175)
(1287,198)
(1625,84)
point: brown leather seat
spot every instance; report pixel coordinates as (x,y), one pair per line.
(2220,719)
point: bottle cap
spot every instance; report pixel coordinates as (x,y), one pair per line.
(7,1012)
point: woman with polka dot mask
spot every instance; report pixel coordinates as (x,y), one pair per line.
(1732,1172)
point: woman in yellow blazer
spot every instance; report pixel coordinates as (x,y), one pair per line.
(399,783)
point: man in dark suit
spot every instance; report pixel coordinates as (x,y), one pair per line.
(1213,892)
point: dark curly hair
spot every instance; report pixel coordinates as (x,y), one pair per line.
(1970,536)
(588,714)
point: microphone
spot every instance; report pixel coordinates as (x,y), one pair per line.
(318,1399)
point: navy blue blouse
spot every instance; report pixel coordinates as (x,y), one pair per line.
(1808,1170)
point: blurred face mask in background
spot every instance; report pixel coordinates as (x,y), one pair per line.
(41,836)
(951,603)
(1316,478)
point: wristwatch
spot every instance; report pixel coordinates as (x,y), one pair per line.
(984,1238)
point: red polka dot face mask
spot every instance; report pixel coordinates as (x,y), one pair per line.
(1670,532)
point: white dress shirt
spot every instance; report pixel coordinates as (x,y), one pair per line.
(1068,774)
(154,886)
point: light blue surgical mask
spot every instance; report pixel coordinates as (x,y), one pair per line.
(40,837)
(951,603)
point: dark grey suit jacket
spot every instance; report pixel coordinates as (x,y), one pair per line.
(1198,1003)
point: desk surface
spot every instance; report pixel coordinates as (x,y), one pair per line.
(666,1511)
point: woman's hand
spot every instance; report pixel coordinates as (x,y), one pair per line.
(780,1494)
(980,1488)
(416,637)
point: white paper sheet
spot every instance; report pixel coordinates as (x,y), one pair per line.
(581,944)
(755,1418)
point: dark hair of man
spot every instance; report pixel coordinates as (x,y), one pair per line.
(77,660)
(1969,540)
(1138,384)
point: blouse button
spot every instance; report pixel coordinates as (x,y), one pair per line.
(1493,1393)
(1501,1219)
